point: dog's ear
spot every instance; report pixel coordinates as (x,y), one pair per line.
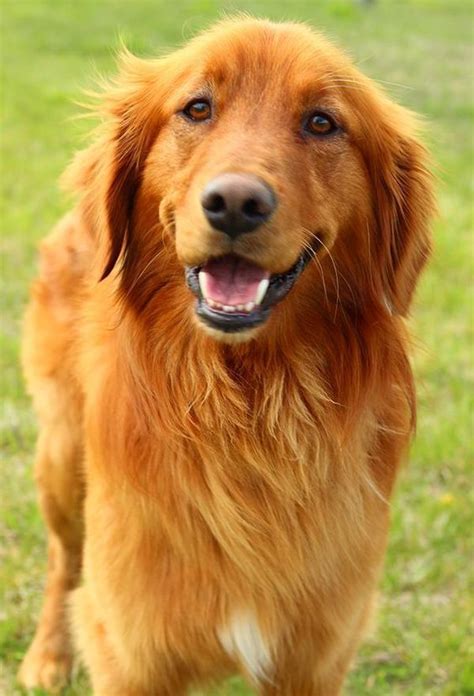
(404,205)
(108,172)
(132,109)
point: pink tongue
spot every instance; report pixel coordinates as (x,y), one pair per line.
(232,281)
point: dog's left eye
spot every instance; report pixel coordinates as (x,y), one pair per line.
(320,124)
(198,110)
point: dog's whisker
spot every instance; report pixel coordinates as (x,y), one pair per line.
(153,259)
(395,84)
(336,274)
(348,86)
(369,253)
(314,258)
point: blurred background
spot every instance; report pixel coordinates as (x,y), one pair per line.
(421,51)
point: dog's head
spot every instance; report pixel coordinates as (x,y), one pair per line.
(257,165)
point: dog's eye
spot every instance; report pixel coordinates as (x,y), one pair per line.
(320,124)
(198,110)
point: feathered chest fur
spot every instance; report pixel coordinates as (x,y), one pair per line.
(241,452)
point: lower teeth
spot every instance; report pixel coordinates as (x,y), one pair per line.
(231,309)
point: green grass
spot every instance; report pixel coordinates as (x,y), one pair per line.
(50,50)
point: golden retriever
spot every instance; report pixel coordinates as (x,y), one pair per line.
(217,352)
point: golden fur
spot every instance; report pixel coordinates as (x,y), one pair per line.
(224,478)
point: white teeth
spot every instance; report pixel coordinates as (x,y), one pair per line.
(230,309)
(248,307)
(262,289)
(203,283)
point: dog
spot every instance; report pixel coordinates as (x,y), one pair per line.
(217,351)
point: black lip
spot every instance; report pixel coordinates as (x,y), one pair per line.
(279,287)
(231,323)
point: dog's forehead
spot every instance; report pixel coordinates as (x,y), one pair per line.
(260,54)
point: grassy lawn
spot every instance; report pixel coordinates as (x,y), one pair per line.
(423,643)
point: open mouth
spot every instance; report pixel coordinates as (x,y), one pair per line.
(234,294)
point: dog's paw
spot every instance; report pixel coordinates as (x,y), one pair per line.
(43,670)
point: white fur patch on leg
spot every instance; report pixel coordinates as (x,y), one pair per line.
(242,639)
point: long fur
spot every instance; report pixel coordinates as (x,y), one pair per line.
(233,489)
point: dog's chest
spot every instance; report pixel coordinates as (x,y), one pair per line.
(242,639)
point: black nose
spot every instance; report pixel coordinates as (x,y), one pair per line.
(237,203)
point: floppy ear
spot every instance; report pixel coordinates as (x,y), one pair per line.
(132,107)
(108,172)
(404,207)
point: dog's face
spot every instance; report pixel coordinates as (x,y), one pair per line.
(264,155)
(261,172)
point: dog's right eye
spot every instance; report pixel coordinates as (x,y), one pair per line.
(198,110)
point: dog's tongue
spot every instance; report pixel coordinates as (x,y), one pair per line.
(231,281)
